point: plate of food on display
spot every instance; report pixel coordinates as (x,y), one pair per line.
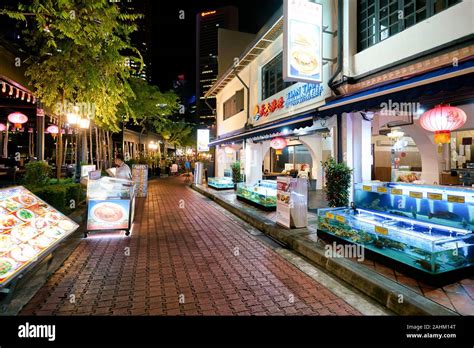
(8,221)
(39,223)
(7,266)
(23,253)
(53,232)
(27,199)
(108,212)
(24,233)
(25,214)
(39,209)
(66,225)
(6,242)
(52,217)
(41,242)
(10,205)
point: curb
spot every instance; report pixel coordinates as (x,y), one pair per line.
(383,290)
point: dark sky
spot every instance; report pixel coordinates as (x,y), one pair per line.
(173,40)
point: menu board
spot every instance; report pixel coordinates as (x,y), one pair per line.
(29,228)
(283,201)
(140,178)
(108,215)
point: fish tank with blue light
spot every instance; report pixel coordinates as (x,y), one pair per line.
(427,227)
(262,195)
(220,183)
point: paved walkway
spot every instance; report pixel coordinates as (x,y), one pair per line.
(184,257)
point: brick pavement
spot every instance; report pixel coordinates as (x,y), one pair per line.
(185,257)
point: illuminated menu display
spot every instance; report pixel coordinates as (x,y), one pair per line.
(29,228)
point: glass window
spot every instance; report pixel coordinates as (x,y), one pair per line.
(380,19)
(272,77)
(234,104)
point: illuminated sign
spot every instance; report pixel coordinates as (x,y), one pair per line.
(302,40)
(203,140)
(208,13)
(295,96)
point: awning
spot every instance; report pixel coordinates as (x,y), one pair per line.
(286,127)
(419,88)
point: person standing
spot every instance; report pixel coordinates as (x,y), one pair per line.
(123,170)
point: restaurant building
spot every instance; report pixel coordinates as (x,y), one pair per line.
(255,106)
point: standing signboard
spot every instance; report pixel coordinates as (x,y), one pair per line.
(302,41)
(203,140)
(140,178)
(292,202)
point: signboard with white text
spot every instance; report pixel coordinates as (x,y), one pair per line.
(302,41)
(203,140)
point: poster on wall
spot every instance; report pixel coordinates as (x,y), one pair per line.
(203,140)
(302,41)
(140,178)
(108,215)
(283,201)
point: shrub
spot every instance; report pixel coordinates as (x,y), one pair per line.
(60,195)
(37,173)
(236,175)
(338,181)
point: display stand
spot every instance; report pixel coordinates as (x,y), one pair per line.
(30,230)
(110,205)
(140,178)
(292,202)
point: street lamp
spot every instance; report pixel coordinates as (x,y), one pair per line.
(73,117)
(84,123)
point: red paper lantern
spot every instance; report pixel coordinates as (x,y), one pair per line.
(278,143)
(53,130)
(442,120)
(17,118)
(3,127)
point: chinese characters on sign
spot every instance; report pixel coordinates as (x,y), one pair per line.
(295,96)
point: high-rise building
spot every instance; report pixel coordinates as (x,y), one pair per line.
(187,100)
(141,39)
(207,25)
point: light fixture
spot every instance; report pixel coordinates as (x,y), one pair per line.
(84,123)
(3,127)
(17,118)
(441,120)
(72,118)
(395,134)
(53,130)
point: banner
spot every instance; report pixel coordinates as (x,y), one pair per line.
(203,140)
(302,41)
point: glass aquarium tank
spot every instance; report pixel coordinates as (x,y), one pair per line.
(222,183)
(262,195)
(426,227)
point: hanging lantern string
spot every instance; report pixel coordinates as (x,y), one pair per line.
(18,93)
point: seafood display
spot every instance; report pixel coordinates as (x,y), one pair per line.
(220,183)
(421,226)
(264,194)
(26,223)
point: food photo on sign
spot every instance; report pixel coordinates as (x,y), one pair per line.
(106,215)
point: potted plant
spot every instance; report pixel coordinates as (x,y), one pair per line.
(236,175)
(338,181)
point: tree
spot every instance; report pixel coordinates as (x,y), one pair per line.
(78,57)
(177,133)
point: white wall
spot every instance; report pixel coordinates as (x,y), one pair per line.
(444,27)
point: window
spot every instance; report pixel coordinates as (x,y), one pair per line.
(379,19)
(272,77)
(234,104)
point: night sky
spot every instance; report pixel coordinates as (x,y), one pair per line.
(173,43)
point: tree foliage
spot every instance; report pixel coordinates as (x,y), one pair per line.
(178,133)
(79,50)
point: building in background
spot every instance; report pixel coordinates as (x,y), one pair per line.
(207,26)
(141,39)
(187,99)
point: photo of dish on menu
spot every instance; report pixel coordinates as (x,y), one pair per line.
(108,215)
(29,228)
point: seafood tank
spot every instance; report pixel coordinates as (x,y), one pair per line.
(222,183)
(262,195)
(426,227)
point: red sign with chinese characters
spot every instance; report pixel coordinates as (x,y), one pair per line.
(267,108)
